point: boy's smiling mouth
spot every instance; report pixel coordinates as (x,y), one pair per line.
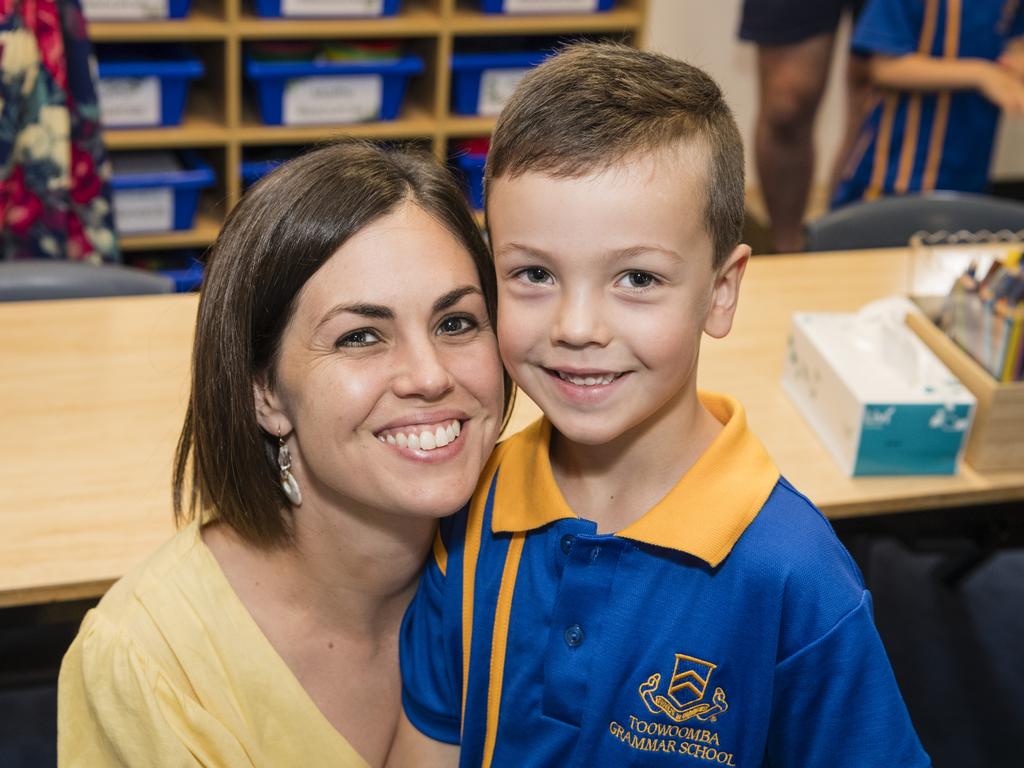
(585,378)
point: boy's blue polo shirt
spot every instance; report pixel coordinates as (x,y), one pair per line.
(727,626)
(919,142)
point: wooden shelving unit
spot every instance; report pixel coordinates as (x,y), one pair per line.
(221,119)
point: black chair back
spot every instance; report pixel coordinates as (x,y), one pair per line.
(891,221)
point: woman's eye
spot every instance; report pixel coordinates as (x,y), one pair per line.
(455,325)
(537,275)
(638,280)
(363,338)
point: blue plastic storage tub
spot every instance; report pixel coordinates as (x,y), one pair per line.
(144,88)
(140,10)
(254,170)
(183,267)
(327,9)
(153,198)
(482,82)
(187,277)
(472,166)
(545,6)
(338,81)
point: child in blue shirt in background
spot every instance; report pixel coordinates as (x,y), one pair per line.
(633,582)
(944,69)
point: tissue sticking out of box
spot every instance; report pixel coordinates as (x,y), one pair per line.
(879,399)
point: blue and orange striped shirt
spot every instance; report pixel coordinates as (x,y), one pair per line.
(726,626)
(919,142)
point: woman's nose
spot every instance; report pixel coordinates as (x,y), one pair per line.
(422,372)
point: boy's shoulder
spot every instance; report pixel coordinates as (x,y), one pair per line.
(791,556)
(792,534)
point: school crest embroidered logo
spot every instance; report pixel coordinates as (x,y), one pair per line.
(685,696)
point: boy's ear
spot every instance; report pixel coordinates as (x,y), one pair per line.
(269,412)
(726,293)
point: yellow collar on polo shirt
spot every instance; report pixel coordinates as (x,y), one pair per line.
(703,515)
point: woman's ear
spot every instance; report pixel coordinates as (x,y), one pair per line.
(270,414)
(726,293)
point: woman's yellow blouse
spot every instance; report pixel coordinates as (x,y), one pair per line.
(171,670)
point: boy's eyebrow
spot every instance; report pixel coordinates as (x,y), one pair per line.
(625,253)
(519,248)
(639,250)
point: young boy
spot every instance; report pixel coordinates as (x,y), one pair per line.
(634,584)
(945,69)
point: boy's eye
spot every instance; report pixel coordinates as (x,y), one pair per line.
(456,325)
(638,280)
(537,275)
(361,338)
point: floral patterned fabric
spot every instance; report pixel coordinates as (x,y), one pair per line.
(54,195)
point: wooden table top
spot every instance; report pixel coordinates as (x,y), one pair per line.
(93,394)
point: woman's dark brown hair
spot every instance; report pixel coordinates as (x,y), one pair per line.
(284,229)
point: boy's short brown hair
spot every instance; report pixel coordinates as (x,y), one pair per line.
(596,104)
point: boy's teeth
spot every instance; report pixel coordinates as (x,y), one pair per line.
(425,439)
(587,381)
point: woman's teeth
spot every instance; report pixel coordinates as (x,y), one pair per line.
(587,381)
(420,439)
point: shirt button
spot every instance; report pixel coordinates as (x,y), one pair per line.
(567,542)
(574,636)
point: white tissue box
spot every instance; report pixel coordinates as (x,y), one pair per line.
(879,399)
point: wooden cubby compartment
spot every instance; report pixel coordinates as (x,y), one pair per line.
(221,119)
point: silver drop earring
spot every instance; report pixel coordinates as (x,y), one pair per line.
(288,483)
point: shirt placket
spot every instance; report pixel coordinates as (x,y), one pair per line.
(576,637)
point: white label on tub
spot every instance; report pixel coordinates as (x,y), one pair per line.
(328,8)
(129,101)
(496,85)
(550,6)
(117,10)
(144,210)
(332,99)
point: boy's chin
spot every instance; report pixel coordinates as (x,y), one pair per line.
(593,431)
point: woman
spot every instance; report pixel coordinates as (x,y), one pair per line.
(346,392)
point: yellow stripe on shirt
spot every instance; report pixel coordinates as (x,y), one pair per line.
(951,47)
(471,553)
(474,528)
(911,131)
(881,163)
(499,641)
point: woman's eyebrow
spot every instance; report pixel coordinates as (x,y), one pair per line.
(452,298)
(381,312)
(373,311)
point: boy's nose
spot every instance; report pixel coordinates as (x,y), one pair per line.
(422,372)
(579,322)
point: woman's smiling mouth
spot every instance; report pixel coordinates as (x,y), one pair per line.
(422,437)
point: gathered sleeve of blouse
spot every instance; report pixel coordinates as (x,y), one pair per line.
(116,706)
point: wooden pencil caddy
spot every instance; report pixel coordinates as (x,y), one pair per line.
(996,441)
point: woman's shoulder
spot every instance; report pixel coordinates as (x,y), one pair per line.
(162,577)
(163,604)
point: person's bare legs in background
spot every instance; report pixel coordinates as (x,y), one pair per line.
(795,42)
(858,104)
(792,81)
